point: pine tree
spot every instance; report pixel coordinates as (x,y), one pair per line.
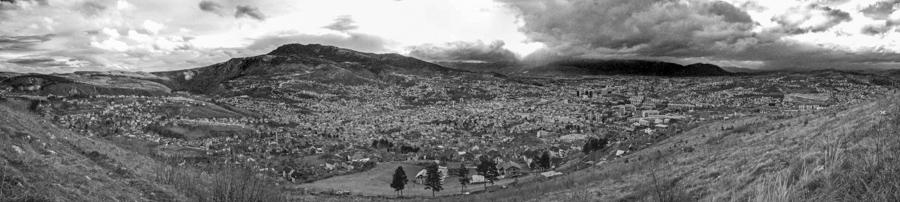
(463,177)
(433,179)
(483,167)
(399,181)
(491,174)
(545,160)
(588,147)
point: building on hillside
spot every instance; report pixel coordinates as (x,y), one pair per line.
(477,179)
(808,107)
(551,173)
(453,168)
(636,100)
(649,113)
(511,168)
(420,176)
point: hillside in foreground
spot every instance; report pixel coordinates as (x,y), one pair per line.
(40,161)
(847,153)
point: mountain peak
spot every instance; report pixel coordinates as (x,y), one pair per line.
(314,50)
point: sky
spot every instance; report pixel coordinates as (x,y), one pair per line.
(47,36)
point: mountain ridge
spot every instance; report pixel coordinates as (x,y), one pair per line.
(629,67)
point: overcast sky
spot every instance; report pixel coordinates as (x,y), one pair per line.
(152,35)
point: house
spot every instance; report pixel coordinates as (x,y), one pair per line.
(420,177)
(808,107)
(477,178)
(511,168)
(648,113)
(636,100)
(453,169)
(551,173)
(542,133)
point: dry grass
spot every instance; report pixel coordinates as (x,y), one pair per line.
(13,188)
(228,183)
(861,167)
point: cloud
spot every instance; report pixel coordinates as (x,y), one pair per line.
(92,8)
(632,26)
(248,11)
(810,18)
(463,51)
(342,24)
(40,2)
(803,56)
(38,62)
(881,10)
(210,6)
(152,27)
(355,41)
(22,43)
(791,35)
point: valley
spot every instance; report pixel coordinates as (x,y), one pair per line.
(322,121)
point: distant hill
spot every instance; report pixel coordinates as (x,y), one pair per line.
(628,67)
(498,67)
(313,61)
(740,70)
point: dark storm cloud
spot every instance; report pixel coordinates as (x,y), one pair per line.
(791,55)
(729,13)
(792,22)
(210,6)
(355,41)
(248,11)
(343,24)
(463,51)
(688,30)
(657,27)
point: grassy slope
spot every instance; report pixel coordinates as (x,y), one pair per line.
(376,181)
(807,157)
(58,165)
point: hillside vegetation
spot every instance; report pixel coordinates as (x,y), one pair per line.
(42,162)
(847,153)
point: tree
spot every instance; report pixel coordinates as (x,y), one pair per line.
(544,161)
(399,181)
(463,177)
(594,145)
(492,173)
(588,147)
(433,179)
(485,168)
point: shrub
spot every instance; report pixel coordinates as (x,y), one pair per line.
(228,183)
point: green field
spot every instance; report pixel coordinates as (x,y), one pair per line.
(376,182)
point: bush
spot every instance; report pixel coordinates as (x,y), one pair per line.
(228,183)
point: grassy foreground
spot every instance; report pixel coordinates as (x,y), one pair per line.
(845,153)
